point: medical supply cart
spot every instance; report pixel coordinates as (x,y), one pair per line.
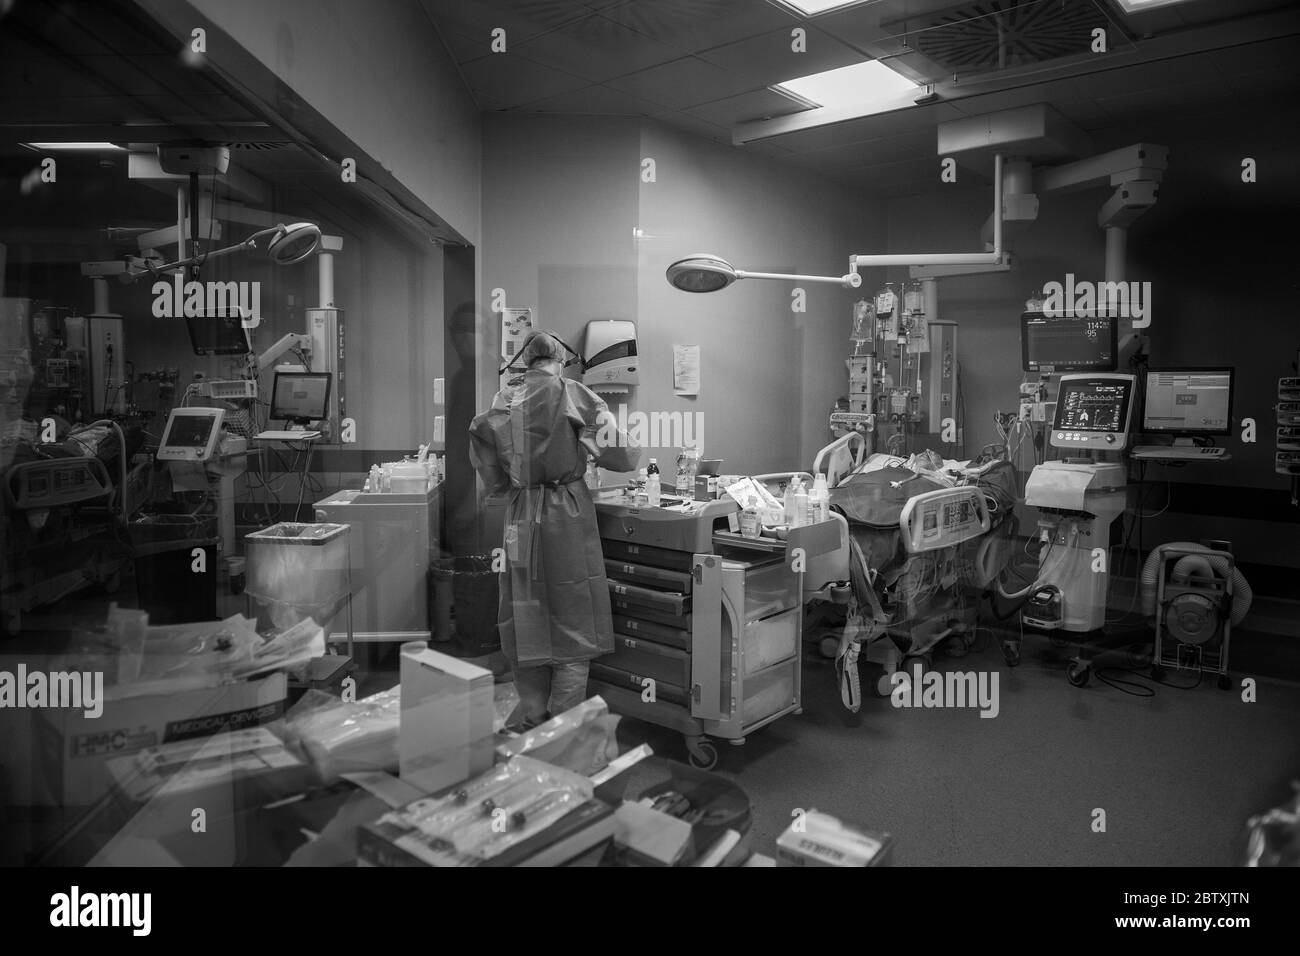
(708,624)
(393,537)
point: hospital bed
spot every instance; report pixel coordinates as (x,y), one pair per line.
(64,507)
(918,546)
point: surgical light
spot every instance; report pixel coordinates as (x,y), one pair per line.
(704,272)
(285,245)
(701,273)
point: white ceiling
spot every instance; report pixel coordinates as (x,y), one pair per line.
(706,66)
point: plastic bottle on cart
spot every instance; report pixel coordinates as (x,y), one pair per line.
(800,505)
(639,495)
(652,487)
(687,463)
(788,502)
(819,502)
(751,524)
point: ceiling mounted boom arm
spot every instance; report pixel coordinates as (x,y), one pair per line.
(703,272)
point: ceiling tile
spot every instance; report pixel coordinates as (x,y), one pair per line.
(596,48)
(516,80)
(682,83)
(521,19)
(768,59)
(690,26)
(760,104)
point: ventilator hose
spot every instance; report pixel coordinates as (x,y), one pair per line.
(1184,568)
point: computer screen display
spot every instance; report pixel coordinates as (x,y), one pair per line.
(190,431)
(1092,411)
(1191,401)
(300,396)
(191,434)
(217,333)
(1068,344)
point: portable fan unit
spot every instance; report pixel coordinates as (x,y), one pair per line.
(1196,595)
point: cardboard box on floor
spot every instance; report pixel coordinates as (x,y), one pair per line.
(446,725)
(72,750)
(819,839)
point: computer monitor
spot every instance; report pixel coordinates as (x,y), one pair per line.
(1053,345)
(191,434)
(1093,412)
(218,333)
(300,397)
(1187,402)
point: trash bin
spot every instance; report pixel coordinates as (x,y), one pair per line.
(471,585)
(175,560)
(295,571)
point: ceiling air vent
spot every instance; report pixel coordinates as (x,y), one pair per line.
(991,35)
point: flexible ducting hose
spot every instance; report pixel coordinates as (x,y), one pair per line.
(1188,566)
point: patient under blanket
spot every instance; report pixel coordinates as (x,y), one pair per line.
(918,600)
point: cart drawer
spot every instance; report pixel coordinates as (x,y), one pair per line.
(770,692)
(769,589)
(652,631)
(669,602)
(673,693)
(667,665)
(649,576)
(645,554)
(625,608)
(769,641)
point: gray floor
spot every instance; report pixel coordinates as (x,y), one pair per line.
(1177,774)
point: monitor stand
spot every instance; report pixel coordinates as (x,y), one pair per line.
(1185,443)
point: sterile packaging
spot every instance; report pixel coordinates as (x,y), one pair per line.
(152,660)
(340,737)
(521,812)
(819,839)
(445,733)
(581,739)
(249,757)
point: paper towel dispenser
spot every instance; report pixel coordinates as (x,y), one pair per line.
(609,353)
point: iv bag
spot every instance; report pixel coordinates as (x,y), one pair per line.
(864,322)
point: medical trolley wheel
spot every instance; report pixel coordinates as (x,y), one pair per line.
(701,753)
(1078,673)
(1011,653)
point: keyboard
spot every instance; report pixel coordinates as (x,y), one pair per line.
(1177,453)
(288,436)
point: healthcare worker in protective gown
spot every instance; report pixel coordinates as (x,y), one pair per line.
(534,443)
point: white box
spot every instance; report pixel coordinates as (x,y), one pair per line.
(445,734)
(819,839)
(75,749)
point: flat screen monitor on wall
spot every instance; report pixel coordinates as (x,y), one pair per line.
(1053,345)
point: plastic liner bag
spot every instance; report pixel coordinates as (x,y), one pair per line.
(490,813)
(581,739)
(338,738)
(179,656)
